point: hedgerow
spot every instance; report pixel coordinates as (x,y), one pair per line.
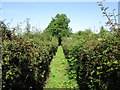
(25,60)
(94,60)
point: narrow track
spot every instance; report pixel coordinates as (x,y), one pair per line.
(58,77)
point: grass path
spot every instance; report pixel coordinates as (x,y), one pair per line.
(58,77)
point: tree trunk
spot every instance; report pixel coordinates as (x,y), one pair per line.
(59,41)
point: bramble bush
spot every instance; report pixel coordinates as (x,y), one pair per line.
(25,60)
(94,60)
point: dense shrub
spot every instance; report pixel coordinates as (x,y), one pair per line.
(94,60)
(25,60)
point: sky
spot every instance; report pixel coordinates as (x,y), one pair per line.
(82,15)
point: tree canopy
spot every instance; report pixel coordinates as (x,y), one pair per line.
(59,27)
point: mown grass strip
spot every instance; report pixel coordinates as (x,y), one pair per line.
(58,77)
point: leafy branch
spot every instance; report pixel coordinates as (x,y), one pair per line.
(111,17)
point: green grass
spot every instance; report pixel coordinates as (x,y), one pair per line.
(58,77)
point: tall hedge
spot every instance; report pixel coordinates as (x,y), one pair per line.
(94,61)
(25,61)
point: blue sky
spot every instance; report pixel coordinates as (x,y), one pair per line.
(83,15)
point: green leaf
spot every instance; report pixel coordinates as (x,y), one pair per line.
(110,69)
(99,67)
(115,62)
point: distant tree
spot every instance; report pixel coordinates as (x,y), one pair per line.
(102,30)
(59,27)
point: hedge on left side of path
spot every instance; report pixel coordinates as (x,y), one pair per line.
(25,63)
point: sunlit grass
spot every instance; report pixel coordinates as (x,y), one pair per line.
(58,77)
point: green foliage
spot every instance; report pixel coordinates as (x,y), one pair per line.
(94,63)
(104,33)
(26,60)
(59,26)
(6,34)
(94,59)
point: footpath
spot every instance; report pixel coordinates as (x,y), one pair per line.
(58,77)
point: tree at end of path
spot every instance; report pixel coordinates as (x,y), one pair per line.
(59,27)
